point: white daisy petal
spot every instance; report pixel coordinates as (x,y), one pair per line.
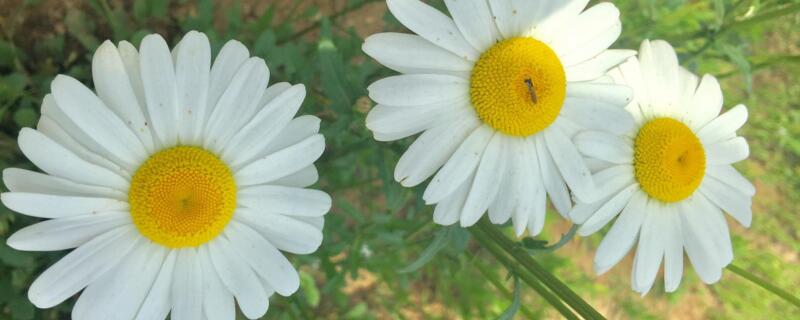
(729,176)
(230,58)
(298,129)
(285,233)
(113,85)
(622,236)
(432,25)
(264,258)
(431,150)
(448,211)
(570,164)
(460,166)
(52,206)
(159,301)
(192,74)
(596,45)
(475,21)
(66,233)
(673,249)
(510,189)
(187,286)
(613,94)
(58,161)
(130,59)
(393,123)
(597,66)
(57,132)
(594,115)
(699,246)
(735,203)
(285,200)
(516,18)
(158,79)
(613,179)
(660,72)
(89,113)
(713,221)
(300,179)
(407,53)
(727,152)
(556,14)
(605,146)
(281,163)
(21,180)
(237,104)
(264,127)
(487,182)
(552,180)
(607,211)
(724,127)
(533,197)
(418,89)
(650,251)
(120,292)
(706,104)
(81,267)
(238,277)
(588,26)
(218,302)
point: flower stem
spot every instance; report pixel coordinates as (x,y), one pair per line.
(766,285)
(484,270)
(501,256)
(551,282)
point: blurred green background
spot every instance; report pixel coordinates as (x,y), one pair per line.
(382,257)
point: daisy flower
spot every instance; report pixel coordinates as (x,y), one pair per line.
(497,92)
(670,176)
(178,183)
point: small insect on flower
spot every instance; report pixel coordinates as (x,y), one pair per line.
(670,176)
(497,92)
(178,183)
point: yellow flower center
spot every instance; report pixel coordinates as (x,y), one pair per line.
(182,197)
(518,86)
(669,160)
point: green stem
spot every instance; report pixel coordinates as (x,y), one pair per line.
(499,285)
(565,238)
(759,63)
(734,25)
(766,285)
(498,253)
(559,288)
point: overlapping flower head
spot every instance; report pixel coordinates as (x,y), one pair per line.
(178,183)
(497,92)
(668,178)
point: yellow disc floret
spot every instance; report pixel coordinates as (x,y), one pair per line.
(182,197)
(669,160)
(518,86)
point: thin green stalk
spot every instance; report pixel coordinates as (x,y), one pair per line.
(766,285)
(492,278)
(734,25)
(499,254)
(559,288)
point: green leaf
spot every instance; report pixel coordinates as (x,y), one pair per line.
(15,258)
(332,70)
(515,304)
(309,288)
(440,241)
(738,59)
(21,309)
(25,117)
(719,11)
